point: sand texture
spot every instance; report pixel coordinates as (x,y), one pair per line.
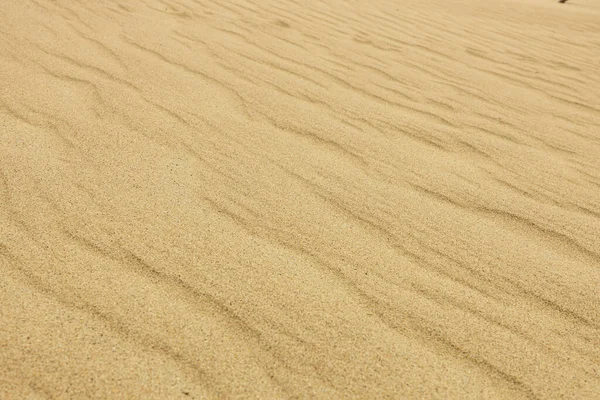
(299,199)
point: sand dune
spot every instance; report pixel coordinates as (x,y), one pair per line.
(296,199)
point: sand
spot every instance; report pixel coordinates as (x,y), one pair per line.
(299,199)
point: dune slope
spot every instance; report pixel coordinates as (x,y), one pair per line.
(281,199)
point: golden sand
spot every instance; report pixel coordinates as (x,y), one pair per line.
(298,199)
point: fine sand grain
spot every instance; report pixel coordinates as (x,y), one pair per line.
(299,199)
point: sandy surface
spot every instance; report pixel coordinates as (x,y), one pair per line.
(283,199)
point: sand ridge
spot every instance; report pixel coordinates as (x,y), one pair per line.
(280,199)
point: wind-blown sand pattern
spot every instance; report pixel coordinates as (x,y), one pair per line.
(296,199)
